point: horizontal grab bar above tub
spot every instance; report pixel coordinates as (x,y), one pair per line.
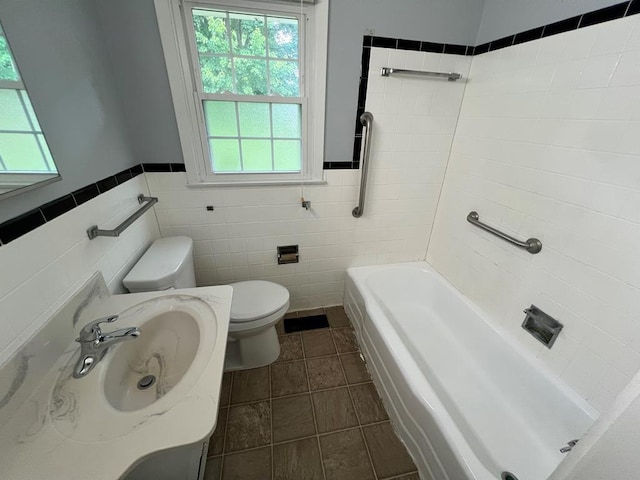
(451,76)
(531,245)
(94,231)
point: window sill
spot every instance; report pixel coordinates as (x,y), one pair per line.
(258,183)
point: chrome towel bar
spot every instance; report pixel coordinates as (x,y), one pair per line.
(366,119)
(531,245)
(94,231)
(451,76)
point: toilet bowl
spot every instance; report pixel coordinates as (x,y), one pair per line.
(256,307)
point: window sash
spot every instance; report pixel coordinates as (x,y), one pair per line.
(193,48)
(200,95)
(305,167)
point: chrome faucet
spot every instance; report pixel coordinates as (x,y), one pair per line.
(94,343)
(569,446)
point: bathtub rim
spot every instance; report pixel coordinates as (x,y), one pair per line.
(419,386)
(532,360)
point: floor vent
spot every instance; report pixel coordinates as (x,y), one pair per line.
(292,325)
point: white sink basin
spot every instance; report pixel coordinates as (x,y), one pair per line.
(178,334)
(143,370)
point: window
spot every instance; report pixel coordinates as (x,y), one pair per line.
(249,98)
(23,149)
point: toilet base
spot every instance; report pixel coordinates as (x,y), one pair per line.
(257,350)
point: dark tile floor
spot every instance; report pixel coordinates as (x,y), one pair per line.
(314,414)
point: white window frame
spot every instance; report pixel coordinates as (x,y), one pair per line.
(187,102)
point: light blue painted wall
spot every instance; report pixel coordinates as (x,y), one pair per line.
(133,41)
(63,60)
(506,17)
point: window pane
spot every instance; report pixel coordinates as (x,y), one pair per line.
(287,155)
(225,155)
(256,155)
(216,74)
(248,34)
(8,70)
(20,152)
(251,76)
(47,153)
(30,112)
(286,120)
(211,31)
(220,118)
(283,37)
(254,119)
(284,78)
(12,114)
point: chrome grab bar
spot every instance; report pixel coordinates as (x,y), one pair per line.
(366,119)
(451,76)
(531,245)
(94,231)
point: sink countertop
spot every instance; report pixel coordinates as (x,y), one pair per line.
(32,447)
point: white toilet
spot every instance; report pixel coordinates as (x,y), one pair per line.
(256,307)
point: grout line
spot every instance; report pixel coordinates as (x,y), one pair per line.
(293,440)
(401,476)
(226,425)
(273,473)
(355,410)
(245,450)
(313,409)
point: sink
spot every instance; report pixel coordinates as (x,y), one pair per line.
(144,377)
(146,369)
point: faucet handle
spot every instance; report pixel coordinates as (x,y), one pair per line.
(91,331)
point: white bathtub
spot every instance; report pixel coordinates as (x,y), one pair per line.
(465,401)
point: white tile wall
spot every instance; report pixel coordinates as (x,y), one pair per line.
(414,124)
(42,269)
(547,145)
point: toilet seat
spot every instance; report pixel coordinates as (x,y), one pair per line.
(257,303)
(260,323)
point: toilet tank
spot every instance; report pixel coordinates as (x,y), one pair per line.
(167,263)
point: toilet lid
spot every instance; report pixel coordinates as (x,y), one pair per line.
(256,299)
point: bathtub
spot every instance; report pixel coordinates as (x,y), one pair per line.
(466,403)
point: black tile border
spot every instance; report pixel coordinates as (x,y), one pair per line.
(85,194)
(562,26)
(16,227)
(528,36)
(58,207)
(107,184)
(588,19)
(156,167)
(606,14)
(22,224)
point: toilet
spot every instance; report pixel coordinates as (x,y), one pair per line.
(256,307)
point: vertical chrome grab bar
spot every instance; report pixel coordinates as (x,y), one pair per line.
(366,119)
